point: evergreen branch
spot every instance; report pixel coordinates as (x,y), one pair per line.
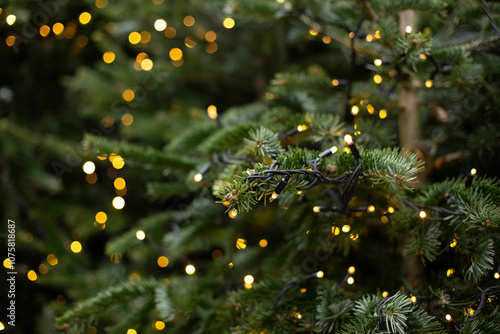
(113,295)
(133,317)
(262,142)
(424,241)
(225,138)
(143,154)
(482,260)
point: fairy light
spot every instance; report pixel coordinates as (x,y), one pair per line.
(385,294)
(326,39)
(390,209)
(377,78)
(140,235)
(371,208)
(370,109)
(453,243)
(313,32)
(422,56)
(384,219)
(413,299)
(175,54)
(170,32)
(128,95)
(217,254)
(134,37)
(210,36)
(352,34)
(159,325)
(146,64)
(44,30)
(354,110)
(10,19)
(233,213)
(428,83)
(131,331)
(408,29)
(351,270)
(228,23)
(377,62)
(88,167)
(52,259)
(212,111)
(279,188)
(2,326)
(346,228)
(301,128)
(382,113)
(118,202)
(497,275)
(84,18)
(42,268)
(450,272)
(7,263)
(377,34)
(335,82)
(160,25)
(248,279)
(108,57)
(190,269)
(32,276)
(119,183)
(241,243)
(298,315)
(448,318)
(127,119)
(263,243)
(348,139)
(320,274)
(316,209)
(76,247)
(350,280)
(369,38)
(101,217)
(473,171)
(422,214)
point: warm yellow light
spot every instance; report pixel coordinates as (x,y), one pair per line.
(377,34)
(175,54)
(248,279)
(280,1)
(127,119)
(320,274)
(32,276)
(233,213)
(190,269)
(350,280)
(377,78)
(241,243)
(44,30)
(382,113)
(160,25)
(140,235)
(335,230)
(354,110)
(10,19)
(301,128)
(274,196)
(413,299)
(101,3)
(88,167)
(390,209)
(188,21)
(428,83)
(145,36)
(352,34)
(134,37)
(473,171)
(497,275)
(351,270)
(58,28)
(42,268)
(346,228)
(385,294)
(119,183)
(198,177)
(76,247)
(313,32)
(84,18)
(128,95)
(212,111)
(377,62)
(316,209)
(450,272)
(263,243)
(408,29)
(7,263)
(118,203)
(2,327)
(52,259)
(159,325)
(211,47)
(118,162)
(298,315)
(170,32)
(101,217)
(448,317)
(228,23)
(422,214)
(371,208)
(108,57)
(131,331)
(335,82)
(147,64)
(348,139)
(370,109)
(210,36)
(326,39)
(453,243)
(384,219)
(162,261)
(422,56)
(369,38)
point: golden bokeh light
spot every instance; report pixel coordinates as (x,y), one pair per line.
(118,202)
(134,37)
(127,119)
(140,235)
(160,25)
(162,261)
(52,259)
(101,217)
(32,276)
(241,243)
(58,28)
(119,183)
(175,54)
(188,21)
(108,57)
(147,64)
(84,18)
(88,167)
(228,23)
(248,279)
(76,247)
(190,269)
(10,19)
(44,30)
(159,325)
(210,36)
(128,95)
(263,243)
(170,32)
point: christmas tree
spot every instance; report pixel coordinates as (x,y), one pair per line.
(251,166)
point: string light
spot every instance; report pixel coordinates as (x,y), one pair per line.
(127,119)
(118,203)
(422,214)
(84,18)
(128,95)
(354,110)
(228,23)
(131,331)
(88,167)
(248,279)
(371,208)
(326,39)
(468,181)
(408,29)
(140,235)
(450,272)
(44,30)
(497,275)
(159,325)
(52,259)
(175,54)
(390,209)
(212,112)
(413,299)
(146,64)
(350,280)
(7,263)
(160,25)
(32,276)
(199,176)
(145,36)
(369,38)
(313,32)
(241,243)
(42,268)
(76,247)
(428,83)
(2,326)
(320,274)
(279,188)
(119,183)
(134,37)
(351,270)
(335,82)
(210,36)
(170,32)
(217,254)
(385,294)
(301,128)
(10,19)
(101,217)
(190,269)
(233,213)
(448,318)
(188,21)
(453,243)
(377,78)
(382,114)
(377,62)
(370,109)
(422,56)
(346,228)
(263,243)
(348,139)
(101,3)
(108,57)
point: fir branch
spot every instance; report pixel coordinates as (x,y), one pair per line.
(424,241)
(225,138)
(263,142)
(482,260)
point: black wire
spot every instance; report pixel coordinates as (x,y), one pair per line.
(483,300)
(379,311)
(490,17)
